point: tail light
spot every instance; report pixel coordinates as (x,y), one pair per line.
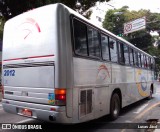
(60,96)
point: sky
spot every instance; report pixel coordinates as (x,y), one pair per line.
(152,5)
(101,8)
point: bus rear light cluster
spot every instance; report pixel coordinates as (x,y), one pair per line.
(60,96)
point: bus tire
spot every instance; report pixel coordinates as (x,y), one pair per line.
(115,106)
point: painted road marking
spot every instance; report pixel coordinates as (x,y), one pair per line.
(141,114)
(1,109)
(141,108)
(0,104)
(25,121)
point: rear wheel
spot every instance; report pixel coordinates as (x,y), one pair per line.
(115,106)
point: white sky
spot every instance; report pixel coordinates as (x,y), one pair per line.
(101,8)
(152,5)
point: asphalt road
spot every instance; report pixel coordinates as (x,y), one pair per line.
(133,115)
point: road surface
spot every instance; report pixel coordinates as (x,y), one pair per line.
(133,116)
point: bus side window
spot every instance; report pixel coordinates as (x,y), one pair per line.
(105,48)
(142,60)
(121,53)
(152,64)
(113,50)
(131,57)
(93,42)
(145,62)
(126,54)
(139,60)
(80,40)
(149,63)
(136,58)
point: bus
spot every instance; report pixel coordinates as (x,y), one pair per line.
(59,67)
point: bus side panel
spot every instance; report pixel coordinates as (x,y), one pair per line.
(141,80)
(134,84)
(91,80)
(102,101)
(122,78)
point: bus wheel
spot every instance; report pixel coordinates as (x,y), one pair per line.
(115,106)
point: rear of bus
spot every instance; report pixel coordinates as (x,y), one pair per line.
(34,78)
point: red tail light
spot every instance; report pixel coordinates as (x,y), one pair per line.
(60,96)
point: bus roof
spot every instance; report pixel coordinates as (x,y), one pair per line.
(72,12)
(102,29)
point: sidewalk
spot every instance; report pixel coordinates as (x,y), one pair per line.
(157,87)
(156,113)
(156,84)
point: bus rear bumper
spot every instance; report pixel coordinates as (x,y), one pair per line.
(54,114)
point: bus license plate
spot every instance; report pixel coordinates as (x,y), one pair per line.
(26,112)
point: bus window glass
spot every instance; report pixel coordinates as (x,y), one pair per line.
(145,61)
(152,64)
(126,55)
(149,63)
(113,49)
(80,37)
(105,50)
(139,60)
(93,42)
(136,58)
(121,53)
(131,56)
(142,60)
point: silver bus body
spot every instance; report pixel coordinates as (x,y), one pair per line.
(43,79)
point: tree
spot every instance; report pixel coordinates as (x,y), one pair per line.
(2,21)
(142,39)
(11,8)
(113,21)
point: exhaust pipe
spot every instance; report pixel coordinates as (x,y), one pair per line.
(52,118)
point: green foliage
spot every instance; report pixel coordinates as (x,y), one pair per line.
(11,8)
(142,39)
(2,21)
(156,53)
